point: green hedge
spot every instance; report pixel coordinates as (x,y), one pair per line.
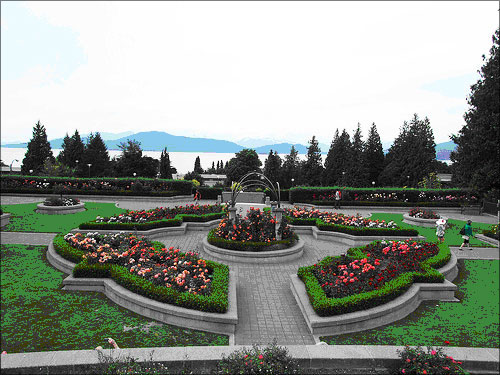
(164,223)
(325,306)
(250,246)
(405,195)
(127,186)
(216,302)
(354,231)
(386,203)
(208,192)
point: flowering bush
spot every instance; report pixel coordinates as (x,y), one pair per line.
(434,361)
(423,214)
(338,219)
(53,201)
(384,261)
(159,213)
(256,227)
(272,359)
(184,272)
(492,232)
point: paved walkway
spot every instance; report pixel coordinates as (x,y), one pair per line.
(266,306)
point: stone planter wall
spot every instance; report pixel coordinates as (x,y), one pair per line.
(379,315)
(277,256)
(245,197)
(5,219)
(418,221)
(60,210)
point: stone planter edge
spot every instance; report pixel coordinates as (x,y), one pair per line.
(60,210)
(4,219)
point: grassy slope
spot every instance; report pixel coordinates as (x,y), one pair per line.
(25,219)
(37,315)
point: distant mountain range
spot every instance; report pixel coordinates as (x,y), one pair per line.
(157,141)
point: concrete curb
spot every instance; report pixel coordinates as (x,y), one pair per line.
(59,210)
(4,219)
(346,239)
(278,256)
(475,360)
(194,319)
(487,239)
(419,221)
(381,208)
(379,315)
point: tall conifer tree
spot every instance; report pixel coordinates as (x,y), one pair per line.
(373,155)
(38,151)
(313,167)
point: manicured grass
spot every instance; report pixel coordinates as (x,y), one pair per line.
(36,315)
(452,235)
(472,322)
(25,219)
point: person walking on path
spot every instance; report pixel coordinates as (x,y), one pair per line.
(440,229)
(197,196)
(466,233)
(338,196)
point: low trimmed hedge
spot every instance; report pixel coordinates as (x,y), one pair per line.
(208,192)
(127,186)
(250,246)
(385,203)
(216,302)
(164,223)
(325,306)
(354,231)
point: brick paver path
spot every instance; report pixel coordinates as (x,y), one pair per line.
(266,306)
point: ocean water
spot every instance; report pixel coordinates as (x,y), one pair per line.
(183,161)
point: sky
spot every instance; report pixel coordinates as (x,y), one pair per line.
(233,70)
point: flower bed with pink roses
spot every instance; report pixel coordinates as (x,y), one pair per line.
(256,232)
(148,269)
(371,275)
(157,217)
(337,222)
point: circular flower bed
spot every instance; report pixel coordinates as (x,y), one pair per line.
(338,219)
(60,206)
(255,232)
(384,261)
(184,272)
(423,214)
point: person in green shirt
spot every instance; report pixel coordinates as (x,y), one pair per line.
(467,235)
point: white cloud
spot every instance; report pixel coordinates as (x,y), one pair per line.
(231,70)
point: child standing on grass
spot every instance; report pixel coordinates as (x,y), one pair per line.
(440,229)
(467,234)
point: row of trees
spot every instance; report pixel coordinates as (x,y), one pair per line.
(91,158)
(351,162)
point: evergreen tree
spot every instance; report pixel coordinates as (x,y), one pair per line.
(272,168)
(356,172)
(373,155)
(165,166)
(337,161)
(244,162)
(291,169)
(72,150)
(476,159)
(197,166)
(129,162)
(38,151)
(313,167)
(96,154)
(412,155)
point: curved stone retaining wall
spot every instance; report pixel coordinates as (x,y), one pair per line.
(379,315)
(419,221)
(170,314)
(276,256)
(487,239)
(60,210)
(4,219)
(346,239)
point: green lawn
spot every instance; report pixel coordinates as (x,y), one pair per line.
(472,322)
(452,235)
(36,315)
(25,219)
